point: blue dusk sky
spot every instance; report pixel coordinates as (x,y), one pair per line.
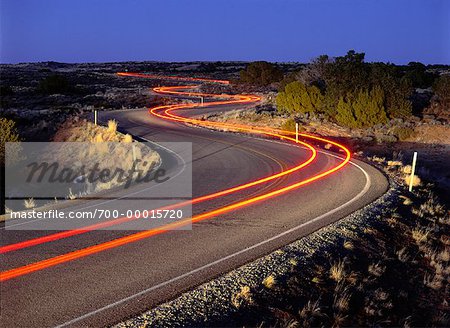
(397,31)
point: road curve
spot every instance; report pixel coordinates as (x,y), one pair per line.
(245,215)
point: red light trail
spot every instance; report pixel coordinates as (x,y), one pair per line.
(165,112)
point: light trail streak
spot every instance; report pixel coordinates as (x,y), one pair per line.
(164,112)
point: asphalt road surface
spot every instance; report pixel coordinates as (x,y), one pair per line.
(109,286)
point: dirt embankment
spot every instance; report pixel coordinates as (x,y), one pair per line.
(94,159)
(108,149)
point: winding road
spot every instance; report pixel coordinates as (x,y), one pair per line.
(253,192)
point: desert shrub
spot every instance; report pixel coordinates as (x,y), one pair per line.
(366,109)
(403,133)
(112,126)
(341,83)
(8,133)
(347,74)
(397,89)
(261,73)
(299,98)
(442,89)
(269,281)
(415,180)
(289,125)
(127,138)
(54,84)
(399,108)
(29,203)
(385,138)
(418,75)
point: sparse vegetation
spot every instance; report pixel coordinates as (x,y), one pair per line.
(8,133)
(415,180)
(289,125)
(403,133)
(29,203)
(269,281)
(442,90)
(396,272)
(337,271)
(112,126)
(107,146)
(127,138)
(393,270)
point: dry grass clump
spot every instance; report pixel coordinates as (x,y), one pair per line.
(244,296)
(403,255)
(432,207)
(29,203)
(337,271)
(127,138)
(269,281)
(9,133)
(394,163)
(406,200)
(341,301)
(98,138)
(348,245)
(444,255)
(293,262)
(310,311)
(419,235)
(112,126)
(377,159)
(71,195)
(407,169)
(106,146)
(433,281)
(415,180)
(88,132)
(376,269)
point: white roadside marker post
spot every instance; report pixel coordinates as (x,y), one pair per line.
(95,117)
(133,148)
(201,101)
(296,132)
(413,169)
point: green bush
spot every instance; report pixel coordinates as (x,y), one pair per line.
(363,110)
(340,81)
(299,98)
